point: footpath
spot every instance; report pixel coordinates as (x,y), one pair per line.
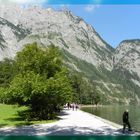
(70,123)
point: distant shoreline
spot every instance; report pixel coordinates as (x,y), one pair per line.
(105,120)
(100,118)
(90,105)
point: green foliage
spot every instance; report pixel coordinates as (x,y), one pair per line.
(41,82)
(21,87)
(44,97)
(2,95)
(44,62)
(96,97)
(84,92)
(7,72)
(77,85)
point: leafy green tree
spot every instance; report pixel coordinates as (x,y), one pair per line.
(80,87)
(41,83)
(7,71)
(76,86)
(42,61)
(96,97)
(3,94)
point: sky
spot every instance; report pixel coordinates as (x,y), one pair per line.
(114,23)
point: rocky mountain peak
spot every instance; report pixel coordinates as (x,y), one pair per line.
(127,55)
(129,44)
(135,41)
(62,28)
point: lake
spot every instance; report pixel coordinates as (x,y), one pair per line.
(114,114)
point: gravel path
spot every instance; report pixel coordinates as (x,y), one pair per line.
(70,123)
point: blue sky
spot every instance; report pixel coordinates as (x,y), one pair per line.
(114,23)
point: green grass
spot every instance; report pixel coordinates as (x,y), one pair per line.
(9,116)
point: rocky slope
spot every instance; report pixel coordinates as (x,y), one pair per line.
(47,26)
(114,72)
(127,55)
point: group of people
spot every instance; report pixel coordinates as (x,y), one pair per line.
(73,106)
(125,117)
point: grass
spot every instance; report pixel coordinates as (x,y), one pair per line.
(9,116)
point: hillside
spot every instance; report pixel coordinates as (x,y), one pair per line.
(115,73)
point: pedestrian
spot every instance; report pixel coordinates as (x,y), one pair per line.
(68,105)
(73,106)
(76,106)
(126,121)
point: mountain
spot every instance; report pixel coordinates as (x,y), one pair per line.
(127,55)
(82,47)
(58,27)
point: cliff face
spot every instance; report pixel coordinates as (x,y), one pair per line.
(127,55)
(47,26)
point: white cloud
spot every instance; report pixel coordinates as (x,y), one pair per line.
(64,6)
(91,8)
(22,1)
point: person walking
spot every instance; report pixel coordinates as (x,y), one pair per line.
(73,106)
(76,106)
(126,121)
(68,105)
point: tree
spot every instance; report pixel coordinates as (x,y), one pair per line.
(96,97)
(41,83)
(7,72)
(80,87)
(45,62)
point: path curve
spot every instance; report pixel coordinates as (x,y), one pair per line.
(70,123)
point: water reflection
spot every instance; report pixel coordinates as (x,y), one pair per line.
(114,114)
